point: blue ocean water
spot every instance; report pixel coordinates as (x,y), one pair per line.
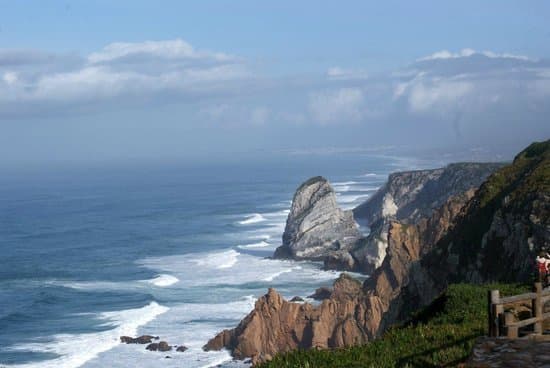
(179,251)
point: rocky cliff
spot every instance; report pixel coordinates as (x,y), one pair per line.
(316,225)
(491,234)
(277,325)
(353,314)
(408,197)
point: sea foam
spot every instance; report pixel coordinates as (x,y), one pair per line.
(164,280)
(252,219)
(76,349)
(261,244)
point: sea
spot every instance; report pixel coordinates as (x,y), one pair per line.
(179,251)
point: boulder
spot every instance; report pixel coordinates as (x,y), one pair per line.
(297,299)
(160,346)
(181,348)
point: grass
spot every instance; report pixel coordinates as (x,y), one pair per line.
(441,335)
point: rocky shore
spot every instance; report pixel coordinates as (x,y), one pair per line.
(429,228)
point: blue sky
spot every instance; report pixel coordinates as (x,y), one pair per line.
(104,80)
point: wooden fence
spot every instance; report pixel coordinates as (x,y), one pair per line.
(504,324)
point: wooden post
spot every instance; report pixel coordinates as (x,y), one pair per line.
(537,308)
(493,297)
(511,331)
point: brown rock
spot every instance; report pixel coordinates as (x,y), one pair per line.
(181,348)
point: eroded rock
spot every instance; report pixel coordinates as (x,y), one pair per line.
(316,225)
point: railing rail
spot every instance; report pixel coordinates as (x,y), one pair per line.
(503,323)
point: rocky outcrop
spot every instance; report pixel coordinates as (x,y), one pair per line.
(143,339)
(276,325)
(490,234)
(316,225)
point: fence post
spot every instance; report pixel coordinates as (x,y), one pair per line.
(493,297)
(537,308)
(511,331)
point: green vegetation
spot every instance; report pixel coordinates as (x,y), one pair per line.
(442,335)
(533,162)
(513,190)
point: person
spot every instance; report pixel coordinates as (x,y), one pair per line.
(543,262)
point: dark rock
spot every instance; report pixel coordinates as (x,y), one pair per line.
(321,293)
(168,357)
(297,299)
(181,348)
(143,339)
(126,339)
(160,346)
(163,346)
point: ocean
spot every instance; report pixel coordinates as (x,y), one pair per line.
(89,254)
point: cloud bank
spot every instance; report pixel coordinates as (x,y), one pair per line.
(470,93)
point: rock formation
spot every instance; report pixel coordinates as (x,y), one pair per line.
(316,225)
(412,195)
(351,315)
(143,339)
(276,325)
(160,346)
(489,235)
(408,197)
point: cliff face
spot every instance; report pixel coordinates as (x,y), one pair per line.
(407,197)
(316,225)
(412,195)
(491,234)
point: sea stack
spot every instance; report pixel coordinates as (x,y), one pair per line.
(316,225)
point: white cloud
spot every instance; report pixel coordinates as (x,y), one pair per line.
(170,50)
(118,71)
(438,94)
(342,105)
(467,52)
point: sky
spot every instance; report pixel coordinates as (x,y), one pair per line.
(104,81)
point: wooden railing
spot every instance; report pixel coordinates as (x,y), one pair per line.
(504,324)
